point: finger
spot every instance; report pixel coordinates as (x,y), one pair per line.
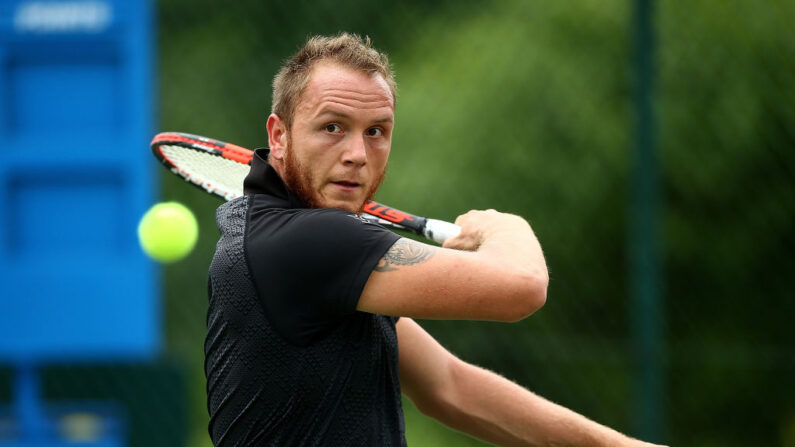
(464,241)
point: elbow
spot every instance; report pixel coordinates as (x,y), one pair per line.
(430,408)
(531,296)
(443,402)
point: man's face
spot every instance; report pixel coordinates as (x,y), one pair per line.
(335,155)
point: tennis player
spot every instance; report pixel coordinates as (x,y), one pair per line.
(311,338)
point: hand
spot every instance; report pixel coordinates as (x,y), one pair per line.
(478,227)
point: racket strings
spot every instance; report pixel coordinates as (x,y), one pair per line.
(216,174)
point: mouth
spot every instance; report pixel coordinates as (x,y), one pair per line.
(347,184)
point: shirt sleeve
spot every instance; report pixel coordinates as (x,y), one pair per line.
(310,267)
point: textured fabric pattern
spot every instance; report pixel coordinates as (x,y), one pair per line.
(341,390)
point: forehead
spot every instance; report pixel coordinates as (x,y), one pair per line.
(332,83)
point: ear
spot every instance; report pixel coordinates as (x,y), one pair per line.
(277,136)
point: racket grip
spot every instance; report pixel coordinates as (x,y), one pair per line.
(440,231)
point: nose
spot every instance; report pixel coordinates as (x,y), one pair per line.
(355,153)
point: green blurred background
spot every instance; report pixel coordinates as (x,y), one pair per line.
(531,108)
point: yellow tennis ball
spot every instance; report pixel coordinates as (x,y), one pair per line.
(168,232)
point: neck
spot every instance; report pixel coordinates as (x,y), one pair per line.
(278,166)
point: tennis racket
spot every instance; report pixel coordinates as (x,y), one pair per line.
(220,168)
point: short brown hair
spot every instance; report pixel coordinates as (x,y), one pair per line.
(349,50)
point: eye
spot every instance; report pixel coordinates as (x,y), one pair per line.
(333,128)
(375,132)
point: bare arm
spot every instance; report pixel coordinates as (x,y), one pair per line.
(486,405)
(494,270)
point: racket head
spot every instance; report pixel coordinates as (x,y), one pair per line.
(215,166)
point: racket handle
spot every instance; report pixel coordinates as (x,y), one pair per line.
(440,231)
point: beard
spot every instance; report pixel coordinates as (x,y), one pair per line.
(299,180)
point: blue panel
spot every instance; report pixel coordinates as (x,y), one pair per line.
(81,309)
(48,96)
(76,117)
(77,285)
(66,213)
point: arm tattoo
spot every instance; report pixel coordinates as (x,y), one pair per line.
(404,252)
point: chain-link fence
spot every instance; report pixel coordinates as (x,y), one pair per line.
(529,107)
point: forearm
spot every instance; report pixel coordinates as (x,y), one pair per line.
(504,238)
(516,248)
(507,244)
(494,409)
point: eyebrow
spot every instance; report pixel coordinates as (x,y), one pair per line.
(387,119)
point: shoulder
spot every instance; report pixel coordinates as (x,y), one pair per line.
(338,225)
(309,223)
(295,233)
(230,217)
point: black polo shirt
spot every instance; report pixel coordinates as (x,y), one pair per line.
(288,358)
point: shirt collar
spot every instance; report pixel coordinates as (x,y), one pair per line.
(263,179)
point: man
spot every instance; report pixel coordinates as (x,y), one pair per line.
(309,303)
